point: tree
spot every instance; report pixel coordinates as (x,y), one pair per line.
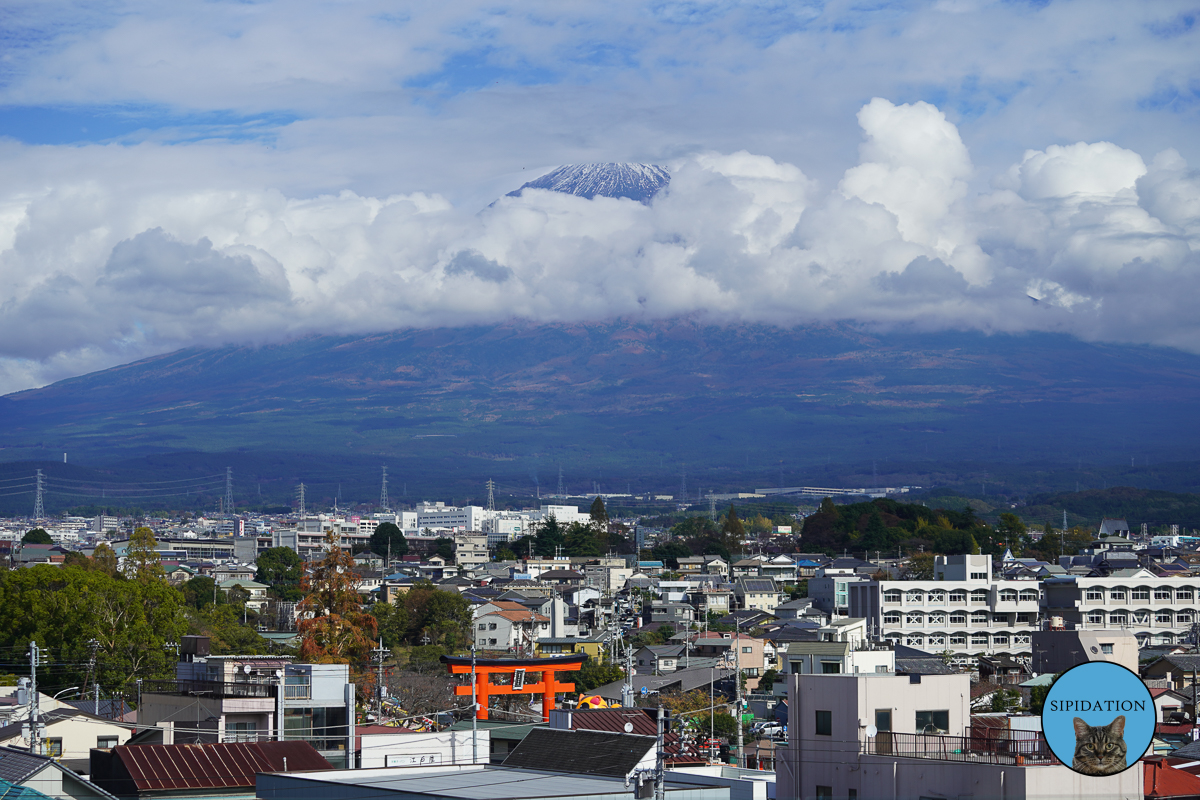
(548,537)
(444,548)
(422,693)
(282,569)
(920,567)
(670,552)
(105,559)
(227,635)
(36,536)
(444,617)
(733,526)
(593,674)
(141,556)
(333,627)
(598,513)
(392,622)
(200,592)
(388,535)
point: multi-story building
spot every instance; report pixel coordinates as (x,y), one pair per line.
(435,516)
(966,611)
(246,698)
(879,735)
(758,594)
(1159,611)
(829,589)
(470,550)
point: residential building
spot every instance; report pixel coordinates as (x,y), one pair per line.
(594,646)
(68,734)
(679,615)
(659,659)
(218,699)
(257,592)
(756,594)
(737,649)
(1159,611)
(48,775)
(1058,650)
(965,611)
(510,629)
(829,589)
(470,550)
(881,735)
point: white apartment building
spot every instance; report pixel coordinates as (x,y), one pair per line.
(879,735)
(1157,610)
(966,611)
(470,550)
(503,527)
(440,515)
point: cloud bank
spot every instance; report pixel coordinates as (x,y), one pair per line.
(1086,238)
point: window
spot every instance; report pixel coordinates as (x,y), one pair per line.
(979,576)
(883,719)
(1140,593)
(891,596)
(979,618)
(1096,617)
(1117,594)
(979,640)
(1163,593)
(937,596)
(1021,638)
(1183,618)
(937,641)
(915,641)
(933,721)
(852,794)
(1162,617)
(483,626)
(1029,595)
(891,618)
(914,619)
(1000,640)
(1183,595)
(958,619)
(824,793)
(1106,648)
(1118,618)
(747,649)
(958,640)
(915,598)
(1010,595)
(937,618)
(958,596)
(1024,619)
(241,732)
(491,626)
(106,742)
(52,748)
(751,672)
(1095,594)
(831,668)
(491,641)
(979,597)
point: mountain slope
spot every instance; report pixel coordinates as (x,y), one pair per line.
(739,404)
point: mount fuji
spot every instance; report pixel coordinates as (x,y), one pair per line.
(638,182)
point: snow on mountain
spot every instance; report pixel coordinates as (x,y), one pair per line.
(635,181)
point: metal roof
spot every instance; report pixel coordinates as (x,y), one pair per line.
(200,766)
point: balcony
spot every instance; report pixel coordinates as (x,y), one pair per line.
(1030,750)
(216,689)
(297,691)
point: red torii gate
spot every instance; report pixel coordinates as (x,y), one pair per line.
(486,667)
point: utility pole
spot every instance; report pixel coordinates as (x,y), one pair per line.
(658,756)
(474,711)
(627,688)
(737,683)
(380,653)
(35,732)
(39,509)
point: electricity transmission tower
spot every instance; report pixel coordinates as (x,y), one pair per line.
(384,505)
(491,487)
(39,510)
(300,492)
(229,490)
(561,493)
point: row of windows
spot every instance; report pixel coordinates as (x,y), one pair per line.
(1163,594)
(942,596)
(1141,617)
(931,721)
(920,619)
(961,639)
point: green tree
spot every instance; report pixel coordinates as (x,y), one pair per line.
(670,552)
(227,635)
(594,674)
(444,547)
(141,556)
(548,537)
(37,536)
(392,622)
(388,535)
(281,569)
(504,553)
(105,559)
(200,592)
(920,567)
(442,617)
(733,526)
(598,513)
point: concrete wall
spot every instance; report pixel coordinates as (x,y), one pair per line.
(420,749)
(1058,651)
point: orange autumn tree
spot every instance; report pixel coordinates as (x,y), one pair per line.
(333,627)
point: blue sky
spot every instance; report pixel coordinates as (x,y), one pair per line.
(249,125)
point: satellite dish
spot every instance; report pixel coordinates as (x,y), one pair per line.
(872,730)
(246,668)
(629,727)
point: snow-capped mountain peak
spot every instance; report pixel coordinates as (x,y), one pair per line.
(635,181)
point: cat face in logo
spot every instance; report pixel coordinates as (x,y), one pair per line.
(1099,749)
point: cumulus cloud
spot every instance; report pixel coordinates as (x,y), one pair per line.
(92,275)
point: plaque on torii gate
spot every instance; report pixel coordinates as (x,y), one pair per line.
(485,668)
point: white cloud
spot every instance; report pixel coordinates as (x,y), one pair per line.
(111,253)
